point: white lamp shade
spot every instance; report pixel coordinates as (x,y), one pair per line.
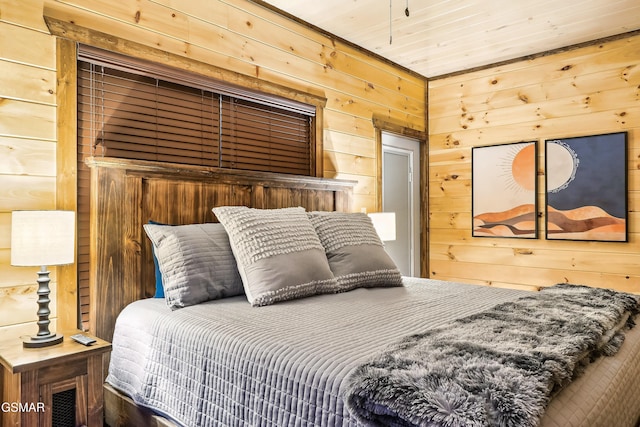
(385,225)
(41,238)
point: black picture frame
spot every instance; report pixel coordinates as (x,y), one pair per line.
(504,190)
(586,188)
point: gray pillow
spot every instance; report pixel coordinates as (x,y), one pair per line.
(278,253)
(356,255)
(196,263)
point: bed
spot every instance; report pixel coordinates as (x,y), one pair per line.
(258,358)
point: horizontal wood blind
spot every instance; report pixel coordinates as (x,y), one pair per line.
(131,116)
(140,110)
(279,140)
(137,117)
(136,110)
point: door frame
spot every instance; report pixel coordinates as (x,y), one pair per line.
(383,124)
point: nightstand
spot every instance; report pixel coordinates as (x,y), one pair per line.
(60,385)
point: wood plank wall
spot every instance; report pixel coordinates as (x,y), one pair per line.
(27,148)
(250,40)
(591,90)
(235,35)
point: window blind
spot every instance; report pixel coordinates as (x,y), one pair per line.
(126,115)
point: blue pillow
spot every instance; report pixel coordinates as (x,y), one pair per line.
(159,288)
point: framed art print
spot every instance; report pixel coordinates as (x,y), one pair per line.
(586,188)
(504,187)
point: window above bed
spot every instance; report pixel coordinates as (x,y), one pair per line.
(135,109)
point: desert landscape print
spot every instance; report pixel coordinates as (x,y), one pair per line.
(504,190)
(587,223)
(586,188)
(517,222)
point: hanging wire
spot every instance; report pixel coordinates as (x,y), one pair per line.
(92,109)
(406,12)
(390,24)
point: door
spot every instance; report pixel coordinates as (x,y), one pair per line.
(401,194)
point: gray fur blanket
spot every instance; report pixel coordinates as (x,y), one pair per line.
(499,367)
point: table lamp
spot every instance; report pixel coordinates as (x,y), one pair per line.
(42,238)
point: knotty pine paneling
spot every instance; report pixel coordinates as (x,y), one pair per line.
(591,90)
(20,192)
(26,119)
(27,150)
(346,143)
(248,39)
(25,47)
(236,37)
(23,156)
(24,13)
(19,304)
(22,81)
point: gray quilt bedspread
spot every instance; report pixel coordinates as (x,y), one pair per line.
(225,363)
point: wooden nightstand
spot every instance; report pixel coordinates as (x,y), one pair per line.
(62,382)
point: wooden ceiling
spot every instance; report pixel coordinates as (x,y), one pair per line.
(441,37)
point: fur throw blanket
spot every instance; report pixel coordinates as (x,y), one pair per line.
(499,367)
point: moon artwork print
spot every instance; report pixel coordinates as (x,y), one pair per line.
(504,190)
(586,188)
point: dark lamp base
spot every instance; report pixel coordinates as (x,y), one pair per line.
(41,341)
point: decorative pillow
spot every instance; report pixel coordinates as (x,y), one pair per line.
(159,288)
(356,255)
(196,263)
(278,253)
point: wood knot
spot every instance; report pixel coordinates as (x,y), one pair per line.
(137,17)
(519,251)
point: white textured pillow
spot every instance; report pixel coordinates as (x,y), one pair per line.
(356,255)
(196,263)
(278,253)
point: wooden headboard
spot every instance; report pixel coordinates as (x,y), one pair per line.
(126,194)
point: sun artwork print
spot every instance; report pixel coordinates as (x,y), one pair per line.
(586,188)
(504,190)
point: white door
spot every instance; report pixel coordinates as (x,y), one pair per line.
(401,194)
